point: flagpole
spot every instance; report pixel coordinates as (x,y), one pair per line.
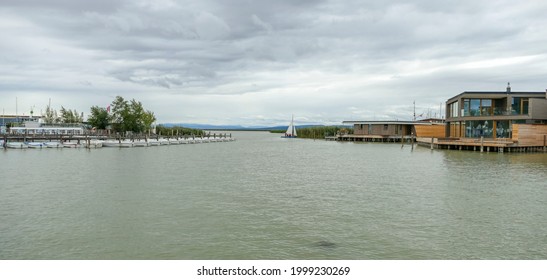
(414,102)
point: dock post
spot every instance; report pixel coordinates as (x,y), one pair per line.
(482,144)
(544,143)
(431,143)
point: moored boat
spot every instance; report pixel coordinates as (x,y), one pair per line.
(93,144)
(152,142)
(16,145)
(140,143)
(71,145)
(53,144)
(118,144)
(35,145)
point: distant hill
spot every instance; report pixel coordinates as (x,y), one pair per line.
(233,127)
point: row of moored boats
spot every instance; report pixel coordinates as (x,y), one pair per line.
(112,143)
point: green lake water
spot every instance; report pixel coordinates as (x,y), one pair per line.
(264,197)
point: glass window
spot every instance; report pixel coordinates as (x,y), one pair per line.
(475,105)
(476,129)
(502,129)
(499,107)
(486,107)
(466,108)
(515,105)
(454,109)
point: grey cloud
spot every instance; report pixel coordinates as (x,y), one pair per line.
(323,56)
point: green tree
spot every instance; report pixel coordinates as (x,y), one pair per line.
(130,116)
(119,111)
(50,116)
(99,117)
(148,119)
(70,116)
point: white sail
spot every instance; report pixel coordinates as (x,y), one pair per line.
(291,130)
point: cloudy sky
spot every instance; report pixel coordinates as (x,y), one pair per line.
(257,62)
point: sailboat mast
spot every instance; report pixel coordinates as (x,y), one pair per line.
(292,125)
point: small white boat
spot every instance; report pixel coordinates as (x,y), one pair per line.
(164,141)
(53,144)
(71,145)
(140,143)
(174,141)
(93,144)
(1,144)
(111,143)
(118,144)
(183,141)
(152,142)
(16,145)
(35,145)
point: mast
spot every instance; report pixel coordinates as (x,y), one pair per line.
(414,102)
(292,125)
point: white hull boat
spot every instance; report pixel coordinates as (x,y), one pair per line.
(118,144)
(16,145)
(53,144)
(153,142)
(93,144)
(71,145)
(35,145)
(140,143)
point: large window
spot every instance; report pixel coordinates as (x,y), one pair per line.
(465,110)
(476,129)
(486,107)
(519,106)
(477,107)
(474,108)
(503,129)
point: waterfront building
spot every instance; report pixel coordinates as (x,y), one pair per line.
(493,114)
(393,131)
(37,128)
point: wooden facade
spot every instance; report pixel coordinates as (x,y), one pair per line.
(430,130)
(530,134)
(383,129)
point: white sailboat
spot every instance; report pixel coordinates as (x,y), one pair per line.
(291,130)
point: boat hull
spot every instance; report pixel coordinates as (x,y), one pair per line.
(16,145)
(53,145)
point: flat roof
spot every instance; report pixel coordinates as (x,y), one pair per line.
(500,93)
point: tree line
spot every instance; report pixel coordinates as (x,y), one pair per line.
(319,132)
(121,116)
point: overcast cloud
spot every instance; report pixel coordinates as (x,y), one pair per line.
(257,62)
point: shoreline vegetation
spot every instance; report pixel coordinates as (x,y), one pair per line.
(317,132)
(178,131)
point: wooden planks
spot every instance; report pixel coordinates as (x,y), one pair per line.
(530,134)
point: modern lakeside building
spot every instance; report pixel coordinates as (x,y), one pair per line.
(501,120)
(475,114)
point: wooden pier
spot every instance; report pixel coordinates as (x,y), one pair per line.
(372,138)
(86,138)
(480,144)
(462,144)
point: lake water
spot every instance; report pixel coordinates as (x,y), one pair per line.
(264,197)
